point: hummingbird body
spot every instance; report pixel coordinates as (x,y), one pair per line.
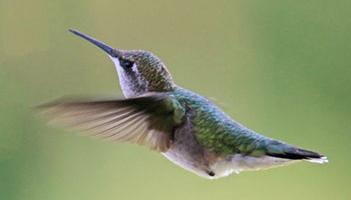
(211,144)
(185,127)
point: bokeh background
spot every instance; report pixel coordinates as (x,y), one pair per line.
(283,68)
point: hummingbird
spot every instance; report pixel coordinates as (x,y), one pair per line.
(185,127)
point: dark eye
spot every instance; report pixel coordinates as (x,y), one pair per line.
(126,63)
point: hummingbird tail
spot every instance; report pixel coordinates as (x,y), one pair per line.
(295,153)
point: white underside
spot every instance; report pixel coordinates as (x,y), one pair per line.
(241,163)
(245,163)
(237,164)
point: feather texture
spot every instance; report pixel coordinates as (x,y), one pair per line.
(146,120)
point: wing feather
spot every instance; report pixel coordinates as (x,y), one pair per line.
(146,120)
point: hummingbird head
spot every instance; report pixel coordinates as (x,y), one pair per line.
(139,71)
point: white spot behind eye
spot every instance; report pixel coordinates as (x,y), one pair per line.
(118,66)
(135,68)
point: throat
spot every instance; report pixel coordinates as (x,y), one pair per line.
(133,89)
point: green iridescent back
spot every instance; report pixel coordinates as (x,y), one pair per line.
(217,131)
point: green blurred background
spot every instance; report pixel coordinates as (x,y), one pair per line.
(283,68)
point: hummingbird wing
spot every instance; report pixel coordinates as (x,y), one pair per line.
(146,120)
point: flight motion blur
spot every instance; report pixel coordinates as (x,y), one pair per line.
(185,127)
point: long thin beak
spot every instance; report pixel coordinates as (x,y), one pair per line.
(111,51)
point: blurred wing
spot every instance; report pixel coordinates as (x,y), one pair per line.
(147,120)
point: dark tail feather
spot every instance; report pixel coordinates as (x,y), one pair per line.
(294,153)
